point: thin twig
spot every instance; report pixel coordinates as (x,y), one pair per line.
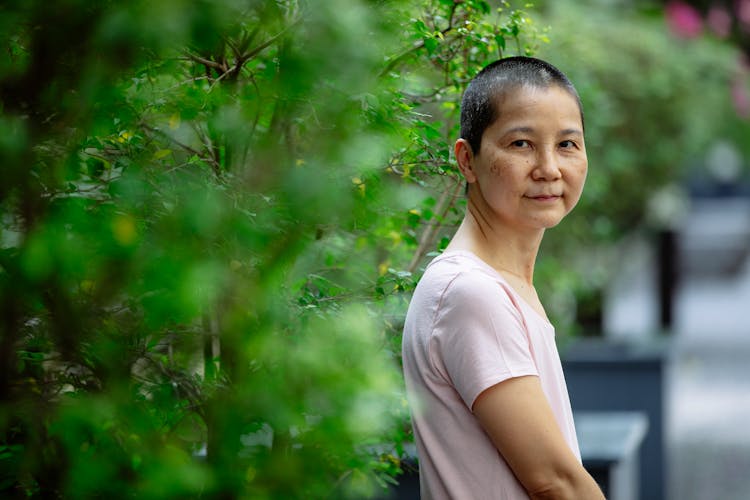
(262,46)
(216,167)
(420,44)
(447,199)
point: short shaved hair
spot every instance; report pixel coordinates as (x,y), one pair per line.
(480,106)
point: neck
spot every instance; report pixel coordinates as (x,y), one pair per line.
(508,250)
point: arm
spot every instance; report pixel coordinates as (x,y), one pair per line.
(518,419)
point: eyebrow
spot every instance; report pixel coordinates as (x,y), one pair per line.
(572,131)
(528,130)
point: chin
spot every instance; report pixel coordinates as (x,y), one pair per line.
(549,222)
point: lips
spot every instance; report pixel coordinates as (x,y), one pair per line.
(544,197)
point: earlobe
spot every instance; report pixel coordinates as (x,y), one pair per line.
(465,160)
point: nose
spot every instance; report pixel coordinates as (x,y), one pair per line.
(547,166)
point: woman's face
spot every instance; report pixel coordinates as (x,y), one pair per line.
(532,163)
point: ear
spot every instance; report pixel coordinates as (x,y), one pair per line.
(465,160)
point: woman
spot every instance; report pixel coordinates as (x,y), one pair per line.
(490,409)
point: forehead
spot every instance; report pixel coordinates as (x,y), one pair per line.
(535,102)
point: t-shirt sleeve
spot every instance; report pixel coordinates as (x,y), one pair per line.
(479,336)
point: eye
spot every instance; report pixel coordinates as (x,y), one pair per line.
(567,144)
(520,143)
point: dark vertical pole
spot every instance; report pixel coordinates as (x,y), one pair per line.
(667,269)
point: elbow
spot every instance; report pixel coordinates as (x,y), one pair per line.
(551,488)
(562,486)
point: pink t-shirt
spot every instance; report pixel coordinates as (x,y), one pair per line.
(467,330)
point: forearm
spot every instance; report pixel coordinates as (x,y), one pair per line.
(515,414)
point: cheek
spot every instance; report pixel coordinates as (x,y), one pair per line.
(577,173)
(577,181)
(501,180)
(581,175)
(503,168)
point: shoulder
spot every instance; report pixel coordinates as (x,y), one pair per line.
(461,272)
(459,294)
(463,296)
(465,282)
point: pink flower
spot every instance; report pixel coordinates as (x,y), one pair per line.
(743,13)
(719,21)
(683,19)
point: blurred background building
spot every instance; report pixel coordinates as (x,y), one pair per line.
(708,379)
(681,279)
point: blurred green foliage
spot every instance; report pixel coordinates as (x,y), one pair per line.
(212,215)
(211,218)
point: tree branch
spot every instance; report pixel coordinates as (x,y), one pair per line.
(206,62)
(420,44)
(427,241)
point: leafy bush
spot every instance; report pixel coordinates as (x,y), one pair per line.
(210,215)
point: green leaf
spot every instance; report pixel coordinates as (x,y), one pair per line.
(431,44)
